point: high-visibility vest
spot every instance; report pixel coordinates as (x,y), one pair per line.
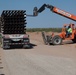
(70,30)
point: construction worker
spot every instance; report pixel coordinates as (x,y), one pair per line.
(69,31)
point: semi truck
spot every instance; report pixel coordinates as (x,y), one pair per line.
(13,29)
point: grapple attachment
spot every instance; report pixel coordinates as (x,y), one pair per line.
(35,11)
(46,38)
(50,39)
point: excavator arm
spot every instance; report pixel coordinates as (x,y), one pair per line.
(55,10)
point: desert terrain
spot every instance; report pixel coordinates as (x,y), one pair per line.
(39,60)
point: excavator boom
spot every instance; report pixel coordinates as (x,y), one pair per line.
(55,10)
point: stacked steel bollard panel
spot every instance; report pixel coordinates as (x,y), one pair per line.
(13,22)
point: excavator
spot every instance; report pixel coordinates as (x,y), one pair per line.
(57,39)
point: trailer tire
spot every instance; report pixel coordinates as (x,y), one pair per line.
(56,40)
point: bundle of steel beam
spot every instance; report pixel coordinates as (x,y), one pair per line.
(13,22)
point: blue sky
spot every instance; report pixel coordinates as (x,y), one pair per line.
(46,19)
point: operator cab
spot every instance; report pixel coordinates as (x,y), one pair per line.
(69,29)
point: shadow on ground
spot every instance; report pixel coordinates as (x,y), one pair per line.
(21,47)
(64,43)
(68,42)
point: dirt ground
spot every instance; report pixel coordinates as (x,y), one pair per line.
(62,50)
(41,59)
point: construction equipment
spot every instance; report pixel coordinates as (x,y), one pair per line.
(57,39)
(13,29)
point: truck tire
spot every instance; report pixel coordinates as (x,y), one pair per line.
(56,40)
(6,46)
(27,47)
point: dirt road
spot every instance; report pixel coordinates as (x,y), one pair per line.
(41,59)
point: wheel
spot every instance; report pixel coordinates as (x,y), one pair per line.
(6,47)
(27,46)
(56,40)
(74,40)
